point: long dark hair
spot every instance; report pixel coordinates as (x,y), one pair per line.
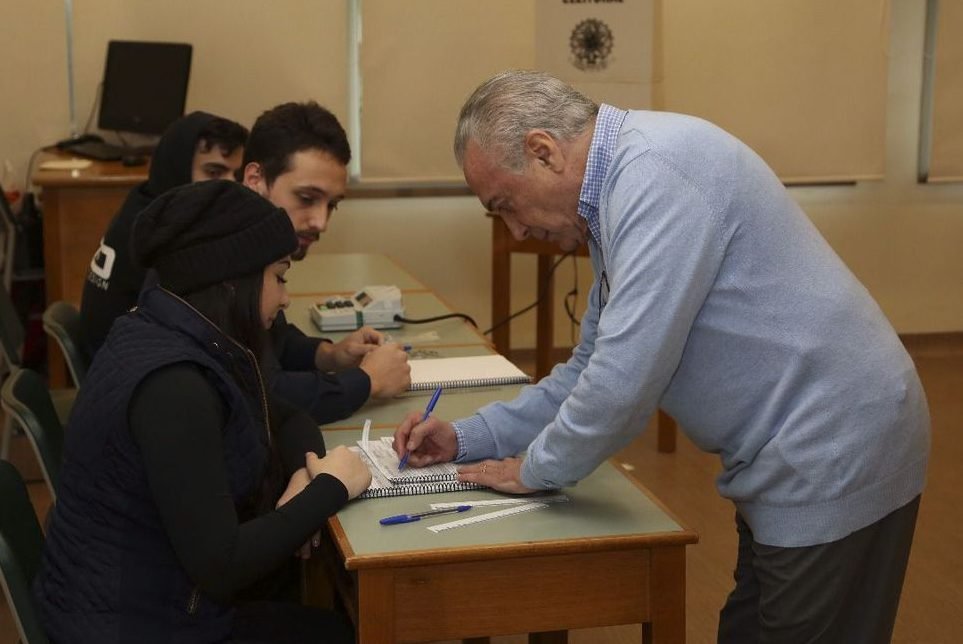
(234,305)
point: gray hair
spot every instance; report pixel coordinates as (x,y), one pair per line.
(503,109)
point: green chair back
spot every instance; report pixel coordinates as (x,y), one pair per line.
(21,543)
(26,398)
(11,331)
(61,321)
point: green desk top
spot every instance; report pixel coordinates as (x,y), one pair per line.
(453,404)
(345,273)
(606,504)
(453,331)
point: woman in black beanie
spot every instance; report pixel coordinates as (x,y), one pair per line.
(174,458)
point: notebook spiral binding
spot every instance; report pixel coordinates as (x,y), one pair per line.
(436,487)
(468,382)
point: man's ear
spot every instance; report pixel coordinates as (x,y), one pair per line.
(253,178)
(544,150)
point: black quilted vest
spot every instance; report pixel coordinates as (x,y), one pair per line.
(109,573)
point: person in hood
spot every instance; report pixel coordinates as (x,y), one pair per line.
(196,147)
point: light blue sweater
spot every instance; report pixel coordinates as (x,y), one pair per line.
(729,310)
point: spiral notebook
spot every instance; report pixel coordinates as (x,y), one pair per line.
(388,480)
(467,371)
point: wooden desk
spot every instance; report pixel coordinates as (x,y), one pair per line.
(319,276)
(77,206)
(611,555)
(503,245)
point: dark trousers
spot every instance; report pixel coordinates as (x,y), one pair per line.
(288,623)
(844,591)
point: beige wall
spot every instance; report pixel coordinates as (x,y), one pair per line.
(248,56)
(33,75)
(901,239)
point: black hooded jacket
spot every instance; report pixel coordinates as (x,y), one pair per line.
(113,280)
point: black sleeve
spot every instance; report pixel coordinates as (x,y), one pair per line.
(326,397)
(297,434)
(176,418)
(295,351)
(113,289)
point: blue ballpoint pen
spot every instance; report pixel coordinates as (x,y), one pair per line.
(430,408)
(408,518)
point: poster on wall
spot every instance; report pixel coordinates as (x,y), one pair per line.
(602,47)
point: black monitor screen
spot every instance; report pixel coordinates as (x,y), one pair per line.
(145,85)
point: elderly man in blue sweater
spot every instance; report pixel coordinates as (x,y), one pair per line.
(716,299)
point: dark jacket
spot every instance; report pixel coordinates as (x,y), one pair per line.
(114,283)
(113,280)
(109,571)
(292,376)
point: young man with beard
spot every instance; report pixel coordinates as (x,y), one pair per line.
(297,157)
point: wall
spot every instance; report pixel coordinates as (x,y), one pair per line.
(902,239)
(248,56)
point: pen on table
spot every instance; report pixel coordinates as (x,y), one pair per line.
(406,347)
(408,518)
(431,406)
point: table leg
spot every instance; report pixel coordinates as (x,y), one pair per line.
(376,607)
(317,586)
(668,597)
(545,322)
(666,432)
(501,285)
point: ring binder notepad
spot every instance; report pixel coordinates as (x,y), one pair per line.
(468,371)
(387,480)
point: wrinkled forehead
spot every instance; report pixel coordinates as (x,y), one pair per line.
(484,176)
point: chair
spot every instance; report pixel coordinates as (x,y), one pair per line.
(11,346)
(61,321)
(25,398)
(21,543)
(8,251)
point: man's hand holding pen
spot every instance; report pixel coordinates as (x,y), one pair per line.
(432,440)
(426,441)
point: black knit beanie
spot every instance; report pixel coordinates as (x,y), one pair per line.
(207,232)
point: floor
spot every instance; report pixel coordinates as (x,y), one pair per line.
(931,611)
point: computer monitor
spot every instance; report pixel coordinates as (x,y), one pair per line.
(145,86)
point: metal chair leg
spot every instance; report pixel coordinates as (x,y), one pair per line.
(8,428)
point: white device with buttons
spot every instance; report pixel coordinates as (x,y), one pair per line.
(374,306)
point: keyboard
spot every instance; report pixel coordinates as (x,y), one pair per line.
(98,150)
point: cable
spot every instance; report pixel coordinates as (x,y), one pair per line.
(94,106)
(539,297)
(467,318)
(28,180)
(570,301)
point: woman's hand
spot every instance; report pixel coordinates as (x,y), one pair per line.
(342,464)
